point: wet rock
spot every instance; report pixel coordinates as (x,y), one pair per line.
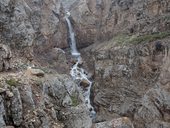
(55,88)
(84,83)
(123,122)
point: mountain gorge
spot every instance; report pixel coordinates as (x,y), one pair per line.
(124,47)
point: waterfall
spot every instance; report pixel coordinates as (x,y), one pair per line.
(74,50)
(78,73)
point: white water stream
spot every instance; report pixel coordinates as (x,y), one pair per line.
(78,73)
(74,50)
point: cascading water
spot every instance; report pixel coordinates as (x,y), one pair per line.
(78,73)
(74,50)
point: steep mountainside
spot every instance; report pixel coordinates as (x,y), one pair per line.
(124,45)
(99,20)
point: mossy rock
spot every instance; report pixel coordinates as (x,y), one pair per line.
(75,100)
(12,82)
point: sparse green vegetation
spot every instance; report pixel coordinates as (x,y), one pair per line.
(37,81)
(166,17)
(75,100)
(121,38)
(150,37)
(12,82)
(1,85)
(124,39)
(45,70)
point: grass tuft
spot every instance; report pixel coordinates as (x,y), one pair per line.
(75,100)
(150,37)
(12,82)
(126,39)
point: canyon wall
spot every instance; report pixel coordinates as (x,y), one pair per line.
(99,20)
(32,25)
(125,52)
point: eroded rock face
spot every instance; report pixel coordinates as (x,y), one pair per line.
(26,25)
(37,102)
(131,81)
(123,122)
(99,20)
(78,117)
(5,57)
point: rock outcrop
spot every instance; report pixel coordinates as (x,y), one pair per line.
(47,101)
(32,26)
(100,20)
(131,80)
(5,57)
(128,59)
(115,123)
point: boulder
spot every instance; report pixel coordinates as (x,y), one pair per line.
(35,72)
(84,83)
(78,117)
(123,122)
(54,87)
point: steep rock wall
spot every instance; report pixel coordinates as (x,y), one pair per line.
(99,20)
(131,80)
(32,25)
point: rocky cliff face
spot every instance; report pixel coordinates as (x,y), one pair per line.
(32,99)
(98,20)
(125,52)
(132,81)
(32,29)
(32,26)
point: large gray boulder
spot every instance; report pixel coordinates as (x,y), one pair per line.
(123,122)
(78,117)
